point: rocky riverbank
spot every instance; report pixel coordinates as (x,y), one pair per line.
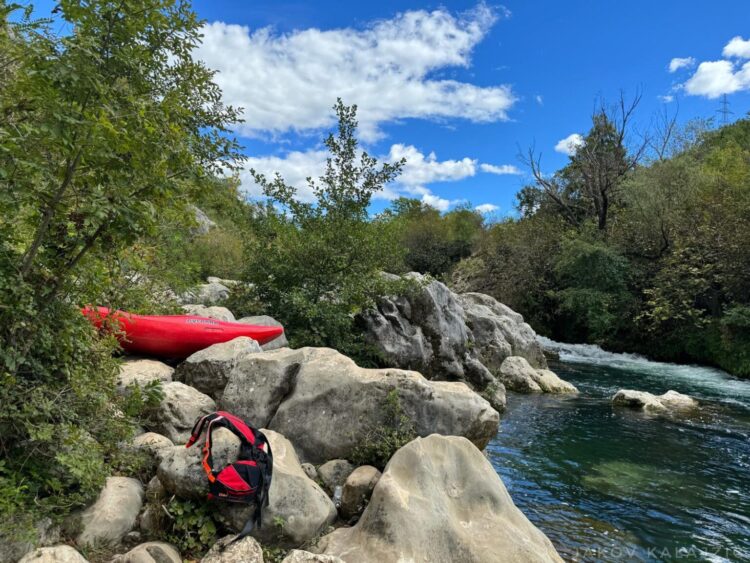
(328,420)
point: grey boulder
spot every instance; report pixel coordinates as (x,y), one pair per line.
(151,552)
(294,391)
(449,336)
(265,320)
(211,293)
(357,490)
(298,510)
(499,332)
(310,471)
(213,312)
(226,550)
(334,473)
(439,499)
(181,471)
(55,554)
(142,372)
(114,514)
(208,370)
(299,556)
(150,444)
(179,409)
(203,222)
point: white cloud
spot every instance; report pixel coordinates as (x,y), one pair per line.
(667,99)
(500,169)
(716,78)
(486,208)
(438,202)
(570,144)
(539,100)
(681,62)
(419,171)
(295,167)
(737,47)
(289,81)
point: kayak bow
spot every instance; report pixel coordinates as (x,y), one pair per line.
(175,336)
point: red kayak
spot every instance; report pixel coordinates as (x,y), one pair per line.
(176,336)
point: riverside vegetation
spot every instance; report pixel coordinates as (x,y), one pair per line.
(113,133)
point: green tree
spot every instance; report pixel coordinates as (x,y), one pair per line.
(315,265)
(593,298)
(102,128)
(433,242)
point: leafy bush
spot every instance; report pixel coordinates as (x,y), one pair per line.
(595,293)
(381,442)
(433,242)
(218,253)
(102,127)
(192,528)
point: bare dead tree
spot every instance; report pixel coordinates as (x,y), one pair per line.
(663,130)
(593,179)
(553,187)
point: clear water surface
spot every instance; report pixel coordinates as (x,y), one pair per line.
(612,484)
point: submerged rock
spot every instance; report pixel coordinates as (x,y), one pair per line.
(328,406)
(669,401)
(114,513)
(439,499)
(518,375)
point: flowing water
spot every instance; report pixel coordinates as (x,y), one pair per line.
(612,484)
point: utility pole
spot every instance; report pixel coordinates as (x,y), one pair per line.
(724,110)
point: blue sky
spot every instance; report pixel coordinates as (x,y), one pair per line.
(459,87)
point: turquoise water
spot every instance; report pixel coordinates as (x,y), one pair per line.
(608,484)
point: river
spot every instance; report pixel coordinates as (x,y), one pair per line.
(611,484)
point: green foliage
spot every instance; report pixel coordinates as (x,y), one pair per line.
(433,243)
(219,253)
(139,400)
(106,133)
(382,441)
(274,554)
(192,528)
(314,266)
(594,296)
(666,276)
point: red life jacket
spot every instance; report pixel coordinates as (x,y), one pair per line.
(248,479)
